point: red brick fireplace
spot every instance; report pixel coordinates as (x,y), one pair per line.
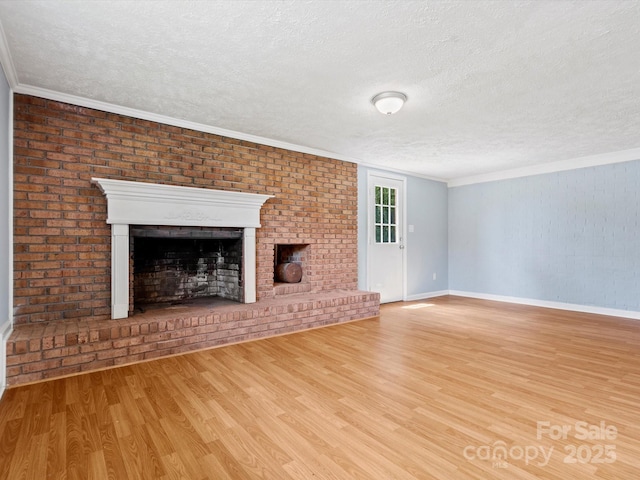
(63,243)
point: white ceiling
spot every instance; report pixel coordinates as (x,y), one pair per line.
(492,85)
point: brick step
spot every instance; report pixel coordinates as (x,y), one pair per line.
(46,350)
(291,288)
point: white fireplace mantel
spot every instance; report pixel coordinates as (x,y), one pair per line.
(138,203)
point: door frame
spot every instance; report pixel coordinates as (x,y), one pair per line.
(370,223)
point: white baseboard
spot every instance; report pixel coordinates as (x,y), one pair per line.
(5,331)
(614,312)
(422,296)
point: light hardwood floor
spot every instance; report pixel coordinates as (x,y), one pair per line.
(428,390)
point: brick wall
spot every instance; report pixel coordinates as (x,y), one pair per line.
(62,243)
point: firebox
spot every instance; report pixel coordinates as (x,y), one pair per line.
(176,264)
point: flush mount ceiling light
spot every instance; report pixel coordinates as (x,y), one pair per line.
(389,102)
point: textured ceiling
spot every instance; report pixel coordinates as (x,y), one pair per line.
(492,85)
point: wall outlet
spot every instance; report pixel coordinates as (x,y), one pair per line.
(434,275)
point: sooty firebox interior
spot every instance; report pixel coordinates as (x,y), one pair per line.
(176,264)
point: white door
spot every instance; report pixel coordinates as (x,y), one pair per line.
(386,237)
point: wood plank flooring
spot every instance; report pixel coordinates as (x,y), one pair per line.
(446,388)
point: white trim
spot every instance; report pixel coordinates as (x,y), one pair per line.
(10,193)
(423,296)
(200,127)
(369,216)
(249,265)
(119,271)
(551,167)
(7,326)
(383,168)
(614,312)
(6,330)
(6,60)
(4,336)
(405,232)
(140,203)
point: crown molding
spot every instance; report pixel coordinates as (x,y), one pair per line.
(200,127)
(551,167)
(398,171)
(175,122)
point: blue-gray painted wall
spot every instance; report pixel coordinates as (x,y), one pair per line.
(427,246)
(571,237)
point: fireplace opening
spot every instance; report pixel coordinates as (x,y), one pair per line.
(174,265)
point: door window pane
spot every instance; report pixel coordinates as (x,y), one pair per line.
(385,214)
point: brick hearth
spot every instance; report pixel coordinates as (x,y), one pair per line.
(40,351)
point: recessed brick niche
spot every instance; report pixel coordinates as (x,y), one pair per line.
(299,254)
(62,243)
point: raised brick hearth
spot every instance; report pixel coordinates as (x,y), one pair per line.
(40,351)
